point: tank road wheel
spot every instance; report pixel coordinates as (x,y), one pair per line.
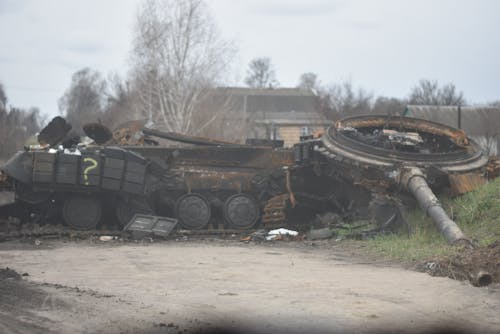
(193,211)
(81,212)
(126,208)
(241,211)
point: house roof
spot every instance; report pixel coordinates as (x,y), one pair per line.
(242,91)
(280,106)
(474,120)
(252,100)
(290,118)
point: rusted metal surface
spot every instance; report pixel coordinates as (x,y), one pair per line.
(275,210)
(178,137)
(217,179)
(212,183)
(463,183)
(228,157)
(129,133)
(493,168)
(376,152)
(364,144)
(456,135)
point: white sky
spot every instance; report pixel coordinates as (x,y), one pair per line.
(384,46)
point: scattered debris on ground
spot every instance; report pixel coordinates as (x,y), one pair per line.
(280,234)
(480,266)
(106,238)
(141,226)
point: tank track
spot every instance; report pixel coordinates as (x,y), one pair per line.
(275,211)
(12,230)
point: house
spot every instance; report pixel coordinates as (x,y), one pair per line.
(482,124)
(269,113)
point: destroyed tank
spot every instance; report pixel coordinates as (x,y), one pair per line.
(210,183)
(360,166)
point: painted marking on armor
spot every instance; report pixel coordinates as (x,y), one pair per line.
(88,169)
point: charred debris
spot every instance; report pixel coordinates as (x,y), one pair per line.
(362,168)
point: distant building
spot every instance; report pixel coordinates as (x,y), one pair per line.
(269,113)
(482,124)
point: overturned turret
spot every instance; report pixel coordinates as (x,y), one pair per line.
(388,154)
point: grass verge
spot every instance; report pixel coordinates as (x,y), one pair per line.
(477,213)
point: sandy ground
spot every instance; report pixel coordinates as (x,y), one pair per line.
(175,287)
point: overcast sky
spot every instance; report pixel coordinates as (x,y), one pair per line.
(384,46)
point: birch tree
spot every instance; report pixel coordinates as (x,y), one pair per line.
(177,56)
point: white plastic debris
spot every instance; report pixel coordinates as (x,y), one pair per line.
(75,152)
(393,174)
(85,141)
(283,231)
(52,150)
(106,238)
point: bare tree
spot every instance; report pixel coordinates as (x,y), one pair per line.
(389,106)
(342,100)
(221,118)
(494,104)
(428,92)
(261,74)
(3,98)
(308,80)
(177,57)
(121,102)
(85,99)
(16,126)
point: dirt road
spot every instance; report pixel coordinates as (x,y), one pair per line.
(174,287)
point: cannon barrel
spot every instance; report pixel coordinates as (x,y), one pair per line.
(187,139)
(415,182)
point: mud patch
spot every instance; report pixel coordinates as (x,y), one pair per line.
(480,266)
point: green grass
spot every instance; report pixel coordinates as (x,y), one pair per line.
(477,213)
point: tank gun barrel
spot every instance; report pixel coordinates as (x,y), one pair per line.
(414,180)
(174,136)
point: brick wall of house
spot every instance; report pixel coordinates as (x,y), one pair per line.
(291,134)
